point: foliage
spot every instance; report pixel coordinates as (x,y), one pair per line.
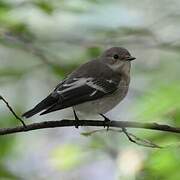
(42,41)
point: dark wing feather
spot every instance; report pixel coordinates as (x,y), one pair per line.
(83,93)
(45,103)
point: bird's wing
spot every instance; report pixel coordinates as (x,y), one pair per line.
(78,90)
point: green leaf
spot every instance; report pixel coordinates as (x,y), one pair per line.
(4,6)
(45,6)
(159,102)
(163,164)
(93,52)
(9,72)
(67,157)
(5,174)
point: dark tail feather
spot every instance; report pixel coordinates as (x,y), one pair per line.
(52,108)
(44,104)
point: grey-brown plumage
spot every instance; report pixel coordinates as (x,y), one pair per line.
(99,84)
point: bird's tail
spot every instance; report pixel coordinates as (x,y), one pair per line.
(44,104)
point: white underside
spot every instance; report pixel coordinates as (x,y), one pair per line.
(102,105)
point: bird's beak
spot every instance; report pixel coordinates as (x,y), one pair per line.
(131,58)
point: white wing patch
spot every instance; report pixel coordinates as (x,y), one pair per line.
(95,86)
(110,81)
(77,81)
(81,82)
(93,93)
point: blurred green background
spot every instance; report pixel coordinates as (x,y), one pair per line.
(41,41)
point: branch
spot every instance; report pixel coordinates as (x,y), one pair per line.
(68,123)
(116,124)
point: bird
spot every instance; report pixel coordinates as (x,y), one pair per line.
(95,87)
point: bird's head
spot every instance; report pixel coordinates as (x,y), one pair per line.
(117,58)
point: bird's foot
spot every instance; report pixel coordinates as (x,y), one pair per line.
(76,119)
(107,121)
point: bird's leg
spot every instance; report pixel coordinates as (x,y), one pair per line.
(76,119)
(107,121)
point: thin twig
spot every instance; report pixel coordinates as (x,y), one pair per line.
(12,111)
(133,138)
(143,142)
(124,130)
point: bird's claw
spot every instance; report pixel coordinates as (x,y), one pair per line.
(106,121)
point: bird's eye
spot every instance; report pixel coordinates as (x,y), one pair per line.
(116,56)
